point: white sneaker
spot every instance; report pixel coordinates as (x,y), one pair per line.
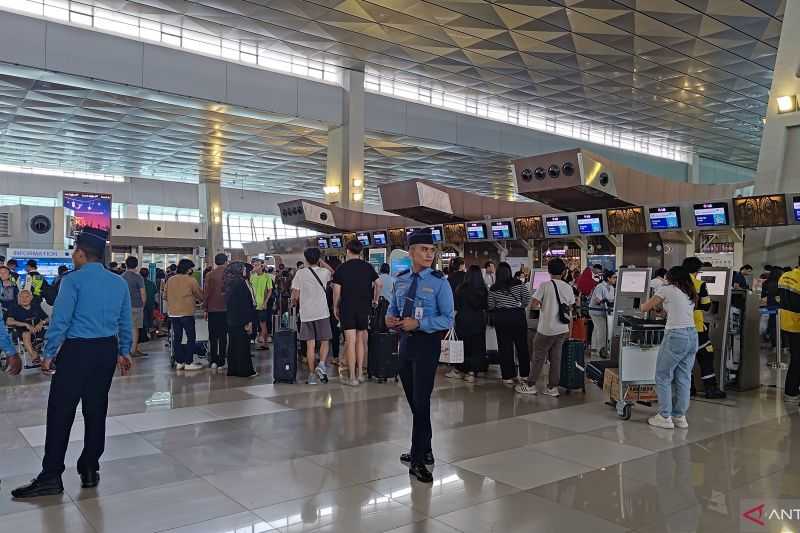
(453,374)
(222,368)
(552,392)
(509,381)
(362,378)
(791,400)
(179,366)
(193,366)
(469,378)
(524,388)
(214,366)
(661,422)
(680,422)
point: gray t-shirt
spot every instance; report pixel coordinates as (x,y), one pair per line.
(135,282)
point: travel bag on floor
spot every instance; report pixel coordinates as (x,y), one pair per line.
(572,365)
(284,351)
(596,370)
(384,356)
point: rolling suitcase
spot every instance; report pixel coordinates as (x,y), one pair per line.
(596,370)
(284,351)
(384,356)
(572,366)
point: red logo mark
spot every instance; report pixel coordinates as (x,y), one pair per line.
(755,514)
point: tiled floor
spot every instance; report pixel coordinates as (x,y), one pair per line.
(204,453)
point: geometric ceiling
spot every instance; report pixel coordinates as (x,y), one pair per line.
(696,73)
(114,129)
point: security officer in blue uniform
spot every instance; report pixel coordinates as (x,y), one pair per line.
(421,309)
(89,335)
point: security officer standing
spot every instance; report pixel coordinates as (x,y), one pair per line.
(89,335)
(421,308)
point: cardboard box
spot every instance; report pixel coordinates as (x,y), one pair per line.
(634,393)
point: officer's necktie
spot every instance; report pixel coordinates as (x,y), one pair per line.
(408,307)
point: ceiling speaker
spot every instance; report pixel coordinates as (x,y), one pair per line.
(539,173)
(553,171)
(527,175)
(568,168)
(40,224)
(603,179)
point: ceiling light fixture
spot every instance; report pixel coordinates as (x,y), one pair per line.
(358,182)
(787,104)
(331,189)
(357,196)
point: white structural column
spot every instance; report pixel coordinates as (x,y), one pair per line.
(211,213)
(344,182)
(779,159)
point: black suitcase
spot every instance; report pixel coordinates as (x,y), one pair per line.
(284,351)
(572,366)
(596,370)
(384,356)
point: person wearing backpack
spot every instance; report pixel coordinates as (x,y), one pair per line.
(309,291)
(554,301)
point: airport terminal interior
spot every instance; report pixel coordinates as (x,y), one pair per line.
(627,151)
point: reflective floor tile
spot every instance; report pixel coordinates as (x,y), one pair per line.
(234,453)
(701,519)
(256,406)
(9,505)
(642,436)
(125,475)
(525,513)
(158,508)
(182,437)
(609,495)
(578,418)
(19,461)
(490,437)
(165,419)
(591,451)
(241,522)
(523,468)
(195,399)
(452,489)
(263,486)
(117,447)
(349,509)
(364,463)
(425,526)
(10,437)
(58,518)
(35,435)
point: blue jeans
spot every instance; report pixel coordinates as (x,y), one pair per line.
(674,371)
(184,353)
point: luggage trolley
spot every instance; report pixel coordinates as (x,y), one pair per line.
(639,343)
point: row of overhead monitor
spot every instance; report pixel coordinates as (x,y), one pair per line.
(771,210)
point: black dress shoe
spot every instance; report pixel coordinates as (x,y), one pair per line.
(90,479)
(406,458)
(422,474)
(38,487)
(715,394)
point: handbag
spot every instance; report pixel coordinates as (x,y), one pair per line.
(563,309)
(452,349)
(491,339)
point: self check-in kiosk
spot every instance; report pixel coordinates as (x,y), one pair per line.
(718,281)
(633,289)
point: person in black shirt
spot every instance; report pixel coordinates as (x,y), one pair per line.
(355,290)
(458,272)
(28,319)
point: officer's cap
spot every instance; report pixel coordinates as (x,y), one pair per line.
(93,239)
(420,236)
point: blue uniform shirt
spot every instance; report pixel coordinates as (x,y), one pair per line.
(434,297)
(6,344)
(92,303)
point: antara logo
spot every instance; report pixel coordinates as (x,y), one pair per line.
(755,515)
(758,515)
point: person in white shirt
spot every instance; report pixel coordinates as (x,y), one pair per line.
(387,280)
(658,280)
(489,275)
(552,331)
(600,304)
(677,350)
(309,290)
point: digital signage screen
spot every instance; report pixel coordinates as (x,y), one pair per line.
(713,214)
(796,208)
(557,226)
(665,218)
(590,224)
(90,210)
(379,238)
(322,243)
(501,230)
(476,231)
(336,241)
(436,232)
(363,238)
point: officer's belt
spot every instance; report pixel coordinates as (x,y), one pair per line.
(96,340)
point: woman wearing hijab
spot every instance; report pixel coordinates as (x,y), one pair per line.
(240,311)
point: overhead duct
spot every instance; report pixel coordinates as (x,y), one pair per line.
(580,180)
(432,203)
(330,218)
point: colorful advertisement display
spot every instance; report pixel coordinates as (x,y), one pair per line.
(47,261)
(91,210)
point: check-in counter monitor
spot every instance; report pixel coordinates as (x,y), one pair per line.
(664,218)
(476,231)
(379,239)
(591,224)
(556,226)
(796,209)
(336,242)
(323,243)
(502,230)
(711,216)
(364,238)
(718,282)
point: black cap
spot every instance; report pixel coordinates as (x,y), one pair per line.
(93,239)
(420,236)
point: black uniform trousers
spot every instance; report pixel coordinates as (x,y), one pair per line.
(705,360)
(419,357)
(217,337)
(792,385)
(85,368)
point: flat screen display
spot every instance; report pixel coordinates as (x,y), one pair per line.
(796,208)
(501,230)
(363,238)
(590,223)
(436,232)
(538,278)
(715,282)
(379,238)
(711,215)
(633,281)
(336,241)
(665,218)
(322,243)
(476,231)
(557,226)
